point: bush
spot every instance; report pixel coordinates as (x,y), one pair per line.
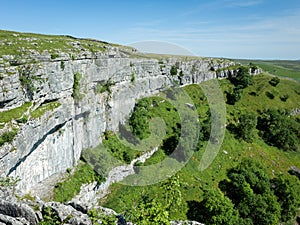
(132,80)
(246,126)
(286,188)
(64,191)
(243,78)
(54,55)
(274,81)
(62,65)
(8,136)
(278,129)
(234,96)
(270,95)
(284,97)
(76,87)
(173,70)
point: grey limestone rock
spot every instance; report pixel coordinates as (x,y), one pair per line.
(17,210)
(110,83)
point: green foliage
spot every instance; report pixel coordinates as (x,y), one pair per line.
(23,119)
(104,86)
(15,113)
(246,126)
(287,191)
(40,111)
(54,55)
(26,79)
(8,181)
(64,191)
(214,209)
(234,96)
(117,149)
(284,97)
(50,217)
(14,44)
(138,120)
(8,136)
(278,129)
(76,87)
(249,189)
(62,65)
(152,212)
(270,95)
(157,210)
(232,152)
(132,80)
(98,217)
(274,81)
(243,78)
(173,70)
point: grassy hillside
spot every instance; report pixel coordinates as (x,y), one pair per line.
(283,68)
(194,183)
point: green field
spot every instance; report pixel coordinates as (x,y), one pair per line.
(283,68)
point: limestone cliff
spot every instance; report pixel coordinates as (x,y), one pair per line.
(53,106)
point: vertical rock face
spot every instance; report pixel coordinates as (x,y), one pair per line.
(93,94)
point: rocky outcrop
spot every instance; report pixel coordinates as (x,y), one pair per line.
(25,211)
(94,92)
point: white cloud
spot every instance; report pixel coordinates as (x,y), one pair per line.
(272,37)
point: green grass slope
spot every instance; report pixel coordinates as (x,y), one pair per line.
(255,98)
(283,68)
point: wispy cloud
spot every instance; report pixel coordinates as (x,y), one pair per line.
(273,36)
(243,3)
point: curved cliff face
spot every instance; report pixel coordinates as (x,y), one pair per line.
(73,101)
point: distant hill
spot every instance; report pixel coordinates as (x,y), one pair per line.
(283,68)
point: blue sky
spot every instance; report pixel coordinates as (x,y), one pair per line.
(216,28)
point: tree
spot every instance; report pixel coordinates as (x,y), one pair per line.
(278,129)
(249,189)
(287,191)
(215,208)
(243,78)
(274,81)
(246,126)
(234,96)
(173,70)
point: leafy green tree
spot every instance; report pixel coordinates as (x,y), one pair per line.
(173,70)
(274,81)
(138,120)
(234,96)
(246,126)
(250,191)
(278,129)
(287,190)
(243,78)
(215,208)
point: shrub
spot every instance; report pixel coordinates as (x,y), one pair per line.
(234,96)
(173,70)
(54,55)
(8,136)
(284,97)
(62,65)
(270,95)
(278,129)
(76,87)
(246,127)
(274,81)
(243,78)
(132,77)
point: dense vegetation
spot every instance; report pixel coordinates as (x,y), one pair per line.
(234,189)
(67,189)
